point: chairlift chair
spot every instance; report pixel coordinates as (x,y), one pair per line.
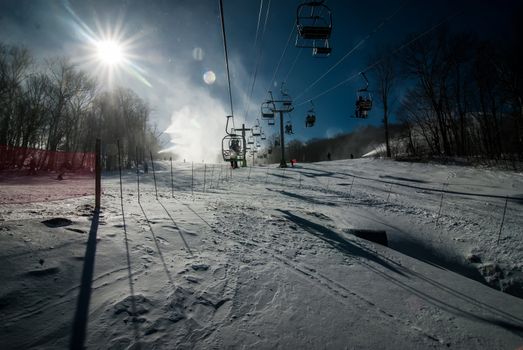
(263,137)
(285,97)
(363,100)
(311,117)
(256,129)
(288,128)
(268,107)
(232,148)
(314,27)
(270,122)
(232,144)
(250,140)
(322,51)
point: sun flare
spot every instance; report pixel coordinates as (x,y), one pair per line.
(109,52)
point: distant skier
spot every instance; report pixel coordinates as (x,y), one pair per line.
(145,167)
(329,156)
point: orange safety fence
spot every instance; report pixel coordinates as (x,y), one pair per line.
(36,175)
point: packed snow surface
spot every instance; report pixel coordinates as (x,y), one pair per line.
(270,258)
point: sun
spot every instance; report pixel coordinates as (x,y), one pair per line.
(109,52)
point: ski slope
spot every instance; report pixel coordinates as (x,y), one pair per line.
(266,258)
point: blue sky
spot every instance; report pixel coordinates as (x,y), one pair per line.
(173,43)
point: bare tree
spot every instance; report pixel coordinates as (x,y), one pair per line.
(385,76)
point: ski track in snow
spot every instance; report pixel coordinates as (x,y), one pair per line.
(264,259)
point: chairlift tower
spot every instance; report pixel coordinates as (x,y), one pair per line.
(281,106)
(243,130)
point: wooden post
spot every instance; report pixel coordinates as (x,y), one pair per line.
(154,174)
(98,174)
(503,219)
(172,181)
(137,175)
(212,175)
(219,176)
(204,175)
(388,196)
(120,173)
(192,178)
(351,185)
(440,203)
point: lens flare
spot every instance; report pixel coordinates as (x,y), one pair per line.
(197,53)
(209,77)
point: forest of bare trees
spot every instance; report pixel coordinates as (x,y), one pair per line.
(55,106)
(464,97)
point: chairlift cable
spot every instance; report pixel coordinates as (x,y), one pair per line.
(395,51)
(258,56)
(351,51)
(282,55)
(226,60)
(298,54)
(258,23)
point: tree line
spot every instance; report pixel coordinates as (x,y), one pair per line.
(342,146)
(55,106)
(459,96)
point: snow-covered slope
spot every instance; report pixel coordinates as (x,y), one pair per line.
(267,258)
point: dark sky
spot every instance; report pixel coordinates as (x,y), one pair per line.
(170,44)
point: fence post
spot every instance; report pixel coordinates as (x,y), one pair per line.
(503,219)
(172,181)
(388,196)
(212,175)
(137,175)
(204,176)
(192,178)
(98,175)
(120,173)
(440,202)
(154,174)
(219,176)
(351,185)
